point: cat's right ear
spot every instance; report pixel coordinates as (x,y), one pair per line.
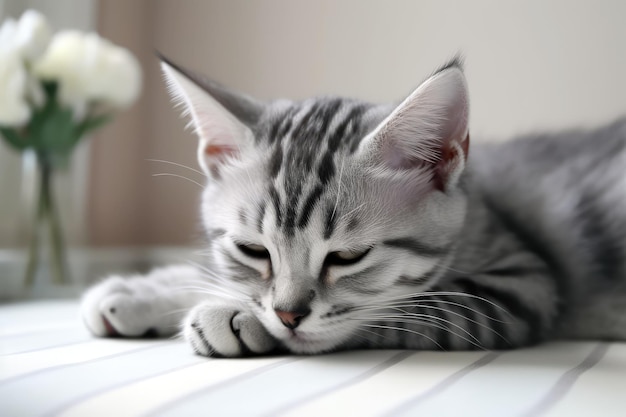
(222,119)
(426,137)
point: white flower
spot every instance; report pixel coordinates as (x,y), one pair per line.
(90,69)
(14,109)
(33,35)
(117,78)
(20,41)
(7,35)
(29,37)
(61,63)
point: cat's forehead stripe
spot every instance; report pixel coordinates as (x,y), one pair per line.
(273,193)
(260,216)
(306,139)
(308,206)
(276,161)
(316,123)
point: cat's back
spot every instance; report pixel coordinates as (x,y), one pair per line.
(567,191)
(584,154)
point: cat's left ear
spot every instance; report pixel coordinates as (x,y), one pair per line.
(222,119)
(427,135)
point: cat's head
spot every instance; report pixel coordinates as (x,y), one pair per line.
(323,211)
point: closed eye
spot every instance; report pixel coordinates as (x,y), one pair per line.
(253,251)
(343,258)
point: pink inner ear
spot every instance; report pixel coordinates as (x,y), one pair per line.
(216,155)
(449,161)
(217,152)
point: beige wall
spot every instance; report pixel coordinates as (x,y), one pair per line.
(530,65)
(119,177)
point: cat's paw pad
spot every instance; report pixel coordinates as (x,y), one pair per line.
(228,332)
(112,308)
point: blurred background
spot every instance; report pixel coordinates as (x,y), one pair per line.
(531,65)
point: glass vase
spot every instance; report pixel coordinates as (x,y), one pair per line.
(47,251)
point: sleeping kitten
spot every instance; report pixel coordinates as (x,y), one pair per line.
(339,224)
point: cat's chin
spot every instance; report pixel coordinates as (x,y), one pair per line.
(307,345)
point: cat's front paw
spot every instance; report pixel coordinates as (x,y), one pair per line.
(114,307)
(225,331)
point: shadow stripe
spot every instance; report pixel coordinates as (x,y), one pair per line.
(47,347)
(89,377)
(69,365)
(388,363)
(562,386)
(443,385)
(59,410)
(222,384)
(38,331)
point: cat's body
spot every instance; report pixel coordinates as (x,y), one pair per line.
(551,209)
(338,224)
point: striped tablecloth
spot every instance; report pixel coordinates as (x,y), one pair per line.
(50,366)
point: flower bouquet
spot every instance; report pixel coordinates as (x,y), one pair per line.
(56,89)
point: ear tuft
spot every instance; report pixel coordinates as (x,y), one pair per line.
(457,61)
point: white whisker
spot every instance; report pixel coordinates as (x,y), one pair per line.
(178,165)
(425,304)
(343,160)
(364,337)
(210,291)
(404,330)
(353,210)
(219,283)
(421,295)
(431,321)
(165,174)
(176,311)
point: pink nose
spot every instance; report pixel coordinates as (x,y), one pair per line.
(292,319)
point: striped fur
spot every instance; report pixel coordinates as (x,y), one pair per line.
(514,244)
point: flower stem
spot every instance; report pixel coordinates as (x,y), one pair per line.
(47,217)
(57,244)
(34,247)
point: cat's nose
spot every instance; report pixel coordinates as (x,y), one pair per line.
(292,319)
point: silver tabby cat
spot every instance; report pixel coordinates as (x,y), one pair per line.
(339,224)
